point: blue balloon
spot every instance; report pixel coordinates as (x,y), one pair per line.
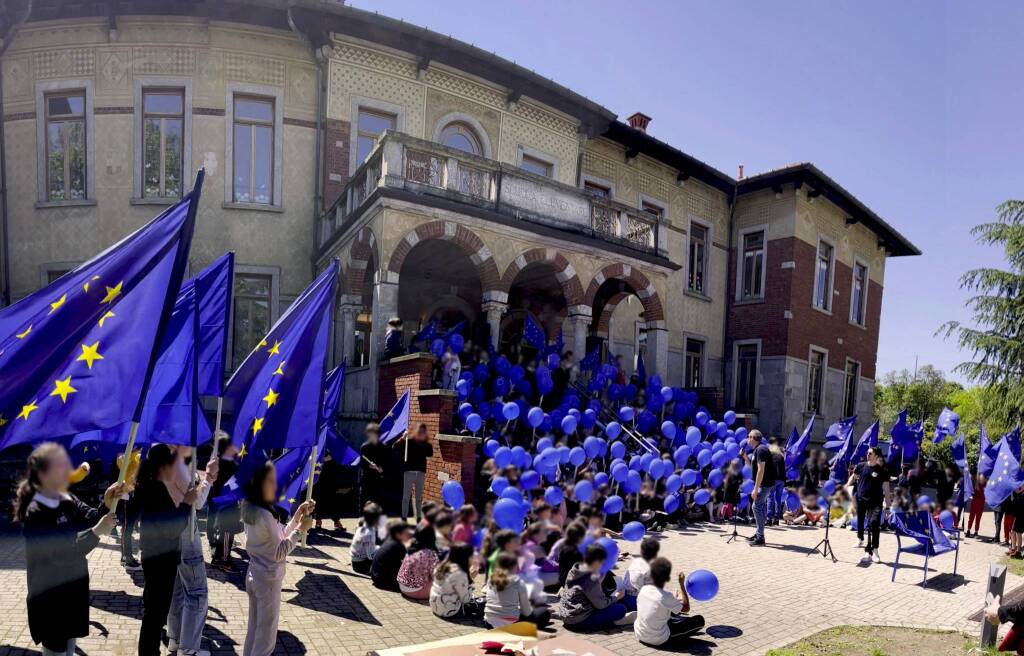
(741,434)
(633,532)
(593,446)
(632,483)
(704,458)
(924,500)
(744,501)
(600,479)
(729,417)
(629,391)
(452,494)
(509,514)
(618,449)
(732,451)
(719,459)
(535,416)
(612,549)
(636,463)
(553,495)
(520,458)
(510,411)
(711,426)
(613,504)
(478,538)
(666,394)
(465,409)
(946,519)
(569,425)
(491,447)
(702,585)
(456,342)
(499,484)
(553,361)
(503,457)
(701,497)
(668,429)
(692,436)
(656,469)
(530,480)
(516,373)
(463,388)
(689,477)
(645,461)
(502,365)
(715,478)
(673,483)
(589,418)
(473,422)
(671,503)
(681,456)
(612,430)
(747,471)
(512,493)
(626,413)
(619,472)
(577,456)
(747,486)
(721,429)
(829,487)
(700,419)
(563,454)
(583,491)
(544,443)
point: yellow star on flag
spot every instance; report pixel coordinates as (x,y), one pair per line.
(280,369)
(85,287)
(275,349)
(62,388)
(105,317)
(242,452)
(271,397)
(26,410)
(3,421)
(56,304)
(292,500)
(23,335)
(257,425)
(263,343)
(90,354)
(112,293)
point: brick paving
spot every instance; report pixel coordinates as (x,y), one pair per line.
(769,597)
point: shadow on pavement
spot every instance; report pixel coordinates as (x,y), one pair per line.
(327,593)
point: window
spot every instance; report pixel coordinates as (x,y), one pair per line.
(693,374)
(371,125)
(163,127)
(752,266)
(65,146)
(815,380)
(859,295)
(254,150)
(536,165)
(652,209)
(460,136)
(252,316)
(698,257)
(823,277)
(598,190)
(746,376)
(850,388)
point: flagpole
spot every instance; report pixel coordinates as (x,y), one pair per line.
(309,483)
(125,461)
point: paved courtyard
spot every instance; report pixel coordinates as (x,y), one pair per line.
(769,597)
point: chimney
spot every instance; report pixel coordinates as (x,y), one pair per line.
(739,173)
(639,121)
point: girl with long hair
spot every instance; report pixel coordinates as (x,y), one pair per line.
(452,593)
(415,576)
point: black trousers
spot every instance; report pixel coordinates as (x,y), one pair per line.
(680,628)
(869,516)
(160,572)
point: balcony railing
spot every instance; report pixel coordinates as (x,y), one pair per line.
(424,167)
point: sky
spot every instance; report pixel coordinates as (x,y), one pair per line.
(917,108)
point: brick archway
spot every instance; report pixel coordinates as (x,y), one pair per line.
(572,288)
(640,284)
(362,251)
(462,237)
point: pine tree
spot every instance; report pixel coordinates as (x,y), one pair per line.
(997,338)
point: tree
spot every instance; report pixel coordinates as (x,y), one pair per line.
(997,339)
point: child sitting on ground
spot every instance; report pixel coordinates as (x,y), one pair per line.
(364,542)
(638,573)
(451,595)
(507,599)
(660,621)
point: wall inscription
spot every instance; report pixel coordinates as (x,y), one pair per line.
(546,201)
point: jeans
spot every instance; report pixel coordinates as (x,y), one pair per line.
(69,649)
(412,481)
(775,500)
(190,600)
(601,618)
(130,520)
(761,510)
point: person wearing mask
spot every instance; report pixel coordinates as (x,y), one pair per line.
(661,619)
(388,559)
(585,604)
(872,489)
(373,458)
(414,466)
(764,481)
(60,531)
(164,510)
(268,542)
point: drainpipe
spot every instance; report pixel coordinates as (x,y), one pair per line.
(728,288)
(5,272)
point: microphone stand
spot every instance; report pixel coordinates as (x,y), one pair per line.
(735,533)
(825,546)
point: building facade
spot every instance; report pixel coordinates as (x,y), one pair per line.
(451,184)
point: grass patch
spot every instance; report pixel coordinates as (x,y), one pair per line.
(1014,565)
(882,641)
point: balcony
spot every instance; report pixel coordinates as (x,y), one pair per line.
(488,188)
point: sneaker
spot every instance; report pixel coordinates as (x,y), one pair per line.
(867,559)
(193,652)
(751,538)
(130,564)
(875,558)
(627,619)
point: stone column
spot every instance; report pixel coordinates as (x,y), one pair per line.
(494,305)
(579,325)
(385,306)
(345,327)
(657,349)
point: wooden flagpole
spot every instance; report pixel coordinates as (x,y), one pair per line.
(125,461)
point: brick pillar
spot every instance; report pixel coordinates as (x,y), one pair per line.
(454,456)
(335,153)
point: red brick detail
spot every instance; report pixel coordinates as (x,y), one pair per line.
(607,310)
(572,288)
(362,251)
(653,308)
(792,289)
(464,238)
(336,148)
(456,459)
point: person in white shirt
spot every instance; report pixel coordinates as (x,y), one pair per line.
(364,542)
(660,618)
(638,572)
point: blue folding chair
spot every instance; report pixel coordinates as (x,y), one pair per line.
(918,533)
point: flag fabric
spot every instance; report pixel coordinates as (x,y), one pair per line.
(396,422)
(641,369)
(591,360)
(292,470)
(1005,477)
(894,460)
(906,436)
(213,291)
(839,433)
(557,347)
(426,334)
(959,451)
(947,424)
(986,453)
(842,433)
(1013,440)
(533,334)
(340,450)
(78,355)
(796,452)
(866,441)
(966,489)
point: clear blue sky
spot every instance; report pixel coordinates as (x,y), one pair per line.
(915,107)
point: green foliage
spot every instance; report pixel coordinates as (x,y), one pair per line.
(996,341)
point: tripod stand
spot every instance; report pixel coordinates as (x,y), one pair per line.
(825,547)
(735,533)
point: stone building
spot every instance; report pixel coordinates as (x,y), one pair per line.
(451,184)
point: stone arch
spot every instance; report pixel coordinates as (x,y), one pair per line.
(362,251)
(572,288)
(459,235)
(641,285)
(472,123)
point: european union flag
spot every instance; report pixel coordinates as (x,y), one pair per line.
(796,450)
(947,424)
(213,289)
(340,450)
(77,355)
(1013,440)
(842,434)
(866,441)
(533,334)
(986,453)
(907,437)
(959,451)
(396,422)
(1005,477)
(966,488)
(292,470)
(641,370)
(455,330)
(427,334)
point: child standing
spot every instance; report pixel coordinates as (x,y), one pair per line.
(60,531)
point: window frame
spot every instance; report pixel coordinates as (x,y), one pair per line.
(701,360)
(360,133)
(252,271)
(373,105)
(44,90)
(142,84)
(523,152)
(741,261)
(275,94)
(594,181)
(736,371)
(475,127)
(830,291)
(847,411)
(656,203)
(811,350)
(861,321)
(708,242)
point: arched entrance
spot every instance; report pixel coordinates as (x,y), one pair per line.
(438,282)
(535,291)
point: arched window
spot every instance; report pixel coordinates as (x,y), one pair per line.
(461,136)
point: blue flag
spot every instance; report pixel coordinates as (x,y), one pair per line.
(396,422)
(842,434)
(947,424)
(427,334)
(966,488)
(894,459)
(1005,477)
(796,451)
(837,435)
(213,290)
(986,452)
(77,355)
(533,334)
(557,347)
(866,441)
(455,330)
(1013,440)
(959,451)
(907,437)
(340,450)
(292,470)
(591,360)
(641,370)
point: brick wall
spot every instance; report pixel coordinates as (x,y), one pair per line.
(336,154)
